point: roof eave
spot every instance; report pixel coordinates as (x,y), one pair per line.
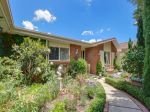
(25,32)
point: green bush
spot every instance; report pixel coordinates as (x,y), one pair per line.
(133,61)
(81,66)
(77,67)
(97,104)
(116,65)
(132,90)
(72,70)
(90,92)
(34,66)
(59,107)
(9,69)
(99,68)
(28,98)
(31,99)
(70,105)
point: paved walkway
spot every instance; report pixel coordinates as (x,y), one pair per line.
(119,101)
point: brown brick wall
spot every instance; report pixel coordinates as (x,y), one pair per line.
(73,49)
(92,57)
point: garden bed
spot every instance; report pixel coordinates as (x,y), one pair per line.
(25,99)
(135,91)
(78,95)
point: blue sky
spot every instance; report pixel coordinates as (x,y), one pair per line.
(88,20)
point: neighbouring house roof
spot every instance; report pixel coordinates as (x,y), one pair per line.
(124,45)
(8,26)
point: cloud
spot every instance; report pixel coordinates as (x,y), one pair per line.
(89,2)
(100,31)
(49,33)
(87,32)
(29,25)
(44,15)
(98,40)
(92,40)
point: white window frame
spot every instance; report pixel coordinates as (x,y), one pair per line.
(59,53)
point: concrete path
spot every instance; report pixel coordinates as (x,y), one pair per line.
(119,101)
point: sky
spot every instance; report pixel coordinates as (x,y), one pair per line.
(85,20)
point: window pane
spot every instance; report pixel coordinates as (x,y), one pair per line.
(64,53)
(54,54)
(107,57)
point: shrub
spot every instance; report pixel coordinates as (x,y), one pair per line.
(70,105)
(72,70)
(90,91)
(59,107)
(116,65)
(6,91)
(77,67)
(31,56)
(81,66)
(28,98)
(133,61)
(99,68)
(132,90)
(9,70)
(32,98)
(97,104)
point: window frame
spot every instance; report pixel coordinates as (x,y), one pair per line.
(59,47)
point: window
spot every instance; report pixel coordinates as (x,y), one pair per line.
(54,54)
(107,58)
(83,54)
(59,54)
(64,53)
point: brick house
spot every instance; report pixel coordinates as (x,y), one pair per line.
(64,49)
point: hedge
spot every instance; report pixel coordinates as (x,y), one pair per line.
(97,104)
(130,89)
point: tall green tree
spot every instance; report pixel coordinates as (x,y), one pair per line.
(147,47)
(138,15)
(138,12)
(140,35)
(130,44)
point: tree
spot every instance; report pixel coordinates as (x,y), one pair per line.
(138,15)
(140,36)
(133,62)
(147,47)
(130,44)
(138,12)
